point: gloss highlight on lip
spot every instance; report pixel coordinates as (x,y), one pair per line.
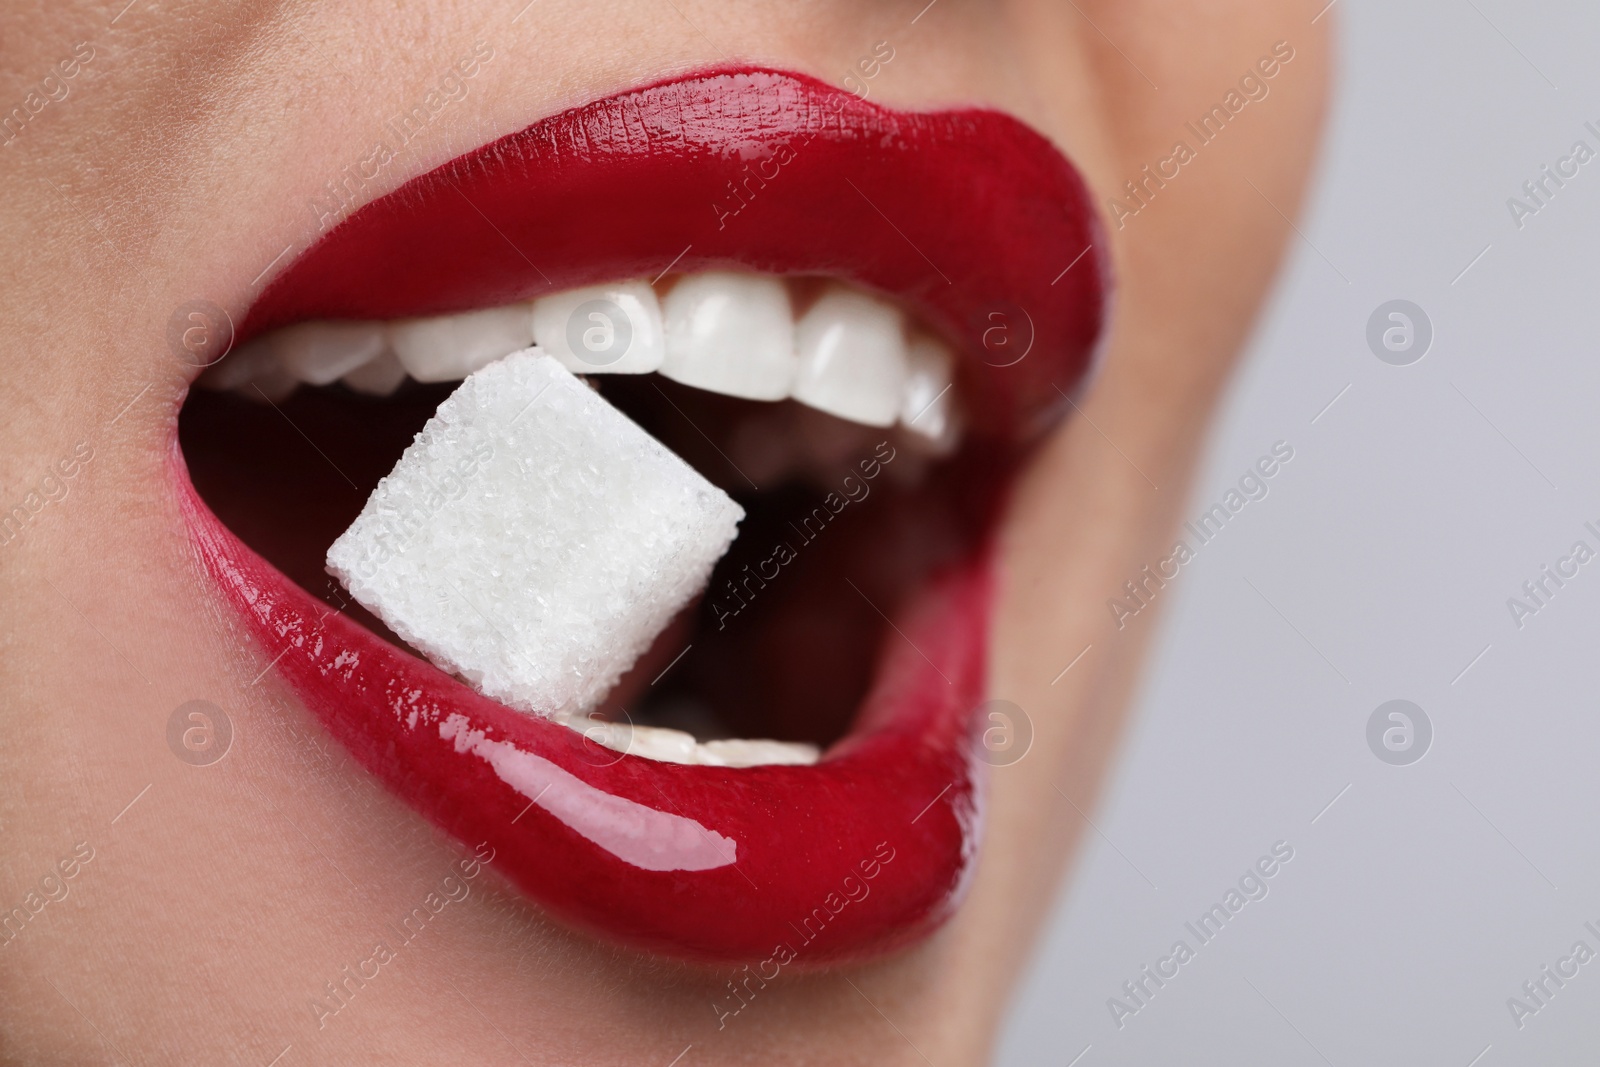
(706,863)
(967,216)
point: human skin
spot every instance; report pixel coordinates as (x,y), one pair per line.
(179,166)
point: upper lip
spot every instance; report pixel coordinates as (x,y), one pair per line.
(969,217)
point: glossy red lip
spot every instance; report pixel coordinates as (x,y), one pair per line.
(967,216)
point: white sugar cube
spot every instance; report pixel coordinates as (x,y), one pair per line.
(533,539)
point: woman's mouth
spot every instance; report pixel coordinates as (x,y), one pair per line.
(854,320)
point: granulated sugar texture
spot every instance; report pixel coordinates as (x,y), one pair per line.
(533,539)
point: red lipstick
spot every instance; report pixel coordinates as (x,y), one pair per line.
(969,218)
(859,853)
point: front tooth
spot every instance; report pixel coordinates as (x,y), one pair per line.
(319,353)
(927,407)
(852,358)
(730,333)
(740,752)
(602,329)
(381,377)
(446,348)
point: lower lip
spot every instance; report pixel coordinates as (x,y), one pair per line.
(863,852)
(872,847)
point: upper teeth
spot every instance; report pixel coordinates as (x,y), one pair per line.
(322,353)
(584,330)
(447,348)
(731,333)
(852,358)
(849,353)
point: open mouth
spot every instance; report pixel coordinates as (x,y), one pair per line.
(851,319)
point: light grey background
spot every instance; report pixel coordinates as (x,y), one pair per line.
(1379,567)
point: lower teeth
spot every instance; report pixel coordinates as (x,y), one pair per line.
(676,746)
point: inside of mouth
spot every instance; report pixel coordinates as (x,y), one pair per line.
(844,522)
